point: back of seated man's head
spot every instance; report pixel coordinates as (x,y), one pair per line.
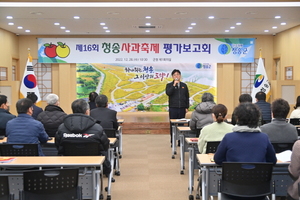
(23,105)
(245,98)
(207,97)
(92,96)
(3,99)
(101,100)
(80,106)
(247,114)
(260,96)
(32,96)
(280,108)
(52,99)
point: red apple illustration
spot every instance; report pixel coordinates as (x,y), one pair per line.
(50,50)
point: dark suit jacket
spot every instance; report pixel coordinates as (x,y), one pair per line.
(106,117)
(36,111)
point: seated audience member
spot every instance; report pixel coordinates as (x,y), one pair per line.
(36,110)
(5,115)
(279,130)
(24,129)
(53,116)
(292,191)
(242,99)
(265,107)
(202,115)
(246,143)
(296,113)
(80,127)
(105,116)
(92,98)
(216,130)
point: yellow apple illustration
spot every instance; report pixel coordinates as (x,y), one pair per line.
(62,50)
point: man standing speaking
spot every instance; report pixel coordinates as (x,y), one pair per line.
(178,94)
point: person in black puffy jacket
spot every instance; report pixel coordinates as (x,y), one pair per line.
(80,127)
(53,116)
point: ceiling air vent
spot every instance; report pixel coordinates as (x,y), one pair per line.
(147,27)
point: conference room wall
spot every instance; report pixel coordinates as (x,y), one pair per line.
(228,75)
(9,50)
(286,47)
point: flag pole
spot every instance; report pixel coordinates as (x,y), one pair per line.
(29,56)
(260,53)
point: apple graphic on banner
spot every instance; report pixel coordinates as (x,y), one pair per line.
(62,50)
(50,50)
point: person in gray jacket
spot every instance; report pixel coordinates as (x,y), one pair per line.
(202,115)
(278,130)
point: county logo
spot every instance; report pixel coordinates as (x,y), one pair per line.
(30,81)
(198,65)
(259,78)
(61,50)
(224,49)
(203,66)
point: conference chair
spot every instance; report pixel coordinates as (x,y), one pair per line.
(280,147)
(211,147)
(246,180)
(58,184)
(81,149)
(49,148)
(294,121)
(4,189)
(19,149)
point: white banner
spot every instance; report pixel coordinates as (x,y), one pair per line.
(146,50)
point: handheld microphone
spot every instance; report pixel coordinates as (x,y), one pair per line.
(177,84)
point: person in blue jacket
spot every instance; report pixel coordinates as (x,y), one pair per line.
(246,143)
(24,129)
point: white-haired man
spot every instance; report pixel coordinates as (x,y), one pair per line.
(53,116)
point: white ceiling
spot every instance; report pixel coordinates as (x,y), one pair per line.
(167,19)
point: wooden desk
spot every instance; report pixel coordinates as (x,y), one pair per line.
(212,172)
(121,121)
(91,162)
(3,140)
(174,124)
(49,141)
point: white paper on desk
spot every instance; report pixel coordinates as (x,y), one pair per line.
(284,156)
(183,119)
